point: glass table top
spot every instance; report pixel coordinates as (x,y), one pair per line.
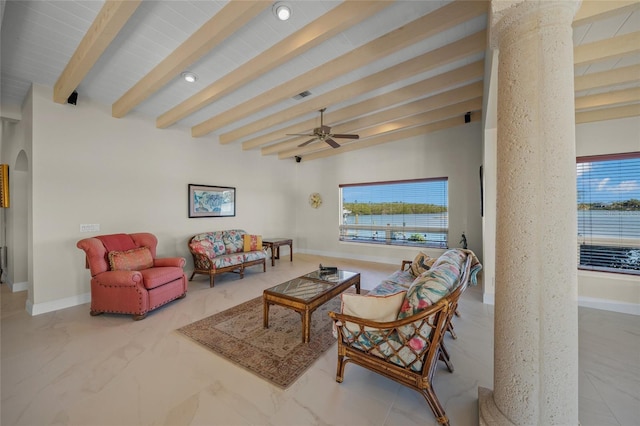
(311,285)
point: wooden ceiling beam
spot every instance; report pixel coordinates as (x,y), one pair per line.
(342,17)
(108,23)
(235,15)
(440,100)
(614,47)
(603,114)
(394,136)
(455,110)
(596,10)
(460,49)
(607,78)
(431,24)
(443,81)
(608,99)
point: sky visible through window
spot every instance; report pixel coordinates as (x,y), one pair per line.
(608,181)
(408,192)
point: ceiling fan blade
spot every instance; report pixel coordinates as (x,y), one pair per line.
(307,142)
(347,136)
(333,143)
(298,134)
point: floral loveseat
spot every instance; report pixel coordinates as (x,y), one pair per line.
(226,251)
(397,328)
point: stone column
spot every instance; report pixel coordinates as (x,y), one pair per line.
(536,314)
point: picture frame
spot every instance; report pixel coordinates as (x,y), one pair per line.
(211,201)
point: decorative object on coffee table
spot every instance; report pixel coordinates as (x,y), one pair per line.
(274,244)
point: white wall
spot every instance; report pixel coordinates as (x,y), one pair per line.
(454,153)
(598,289)
(128,176)
(617,292)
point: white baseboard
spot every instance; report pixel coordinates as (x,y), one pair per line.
(488,298)
(588,302)
(609,305)
(54,305)
(22,286)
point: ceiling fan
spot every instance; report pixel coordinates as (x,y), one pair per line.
(324,134)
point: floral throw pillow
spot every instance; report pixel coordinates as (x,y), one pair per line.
(422,262)
(252,242)
(203,247)
(426,290)
(131,260)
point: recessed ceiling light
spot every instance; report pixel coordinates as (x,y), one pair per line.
(282,11)
(189,77)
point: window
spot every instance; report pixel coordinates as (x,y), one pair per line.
(405,213)
(609,213)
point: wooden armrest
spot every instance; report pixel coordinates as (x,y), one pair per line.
(405,263)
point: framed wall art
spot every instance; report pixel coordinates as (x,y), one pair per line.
(211,201)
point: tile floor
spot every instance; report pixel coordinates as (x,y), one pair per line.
(68,368)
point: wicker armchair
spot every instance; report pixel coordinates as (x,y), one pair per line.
(406,350)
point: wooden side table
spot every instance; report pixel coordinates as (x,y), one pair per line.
(274,244)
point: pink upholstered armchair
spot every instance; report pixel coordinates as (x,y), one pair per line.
(126,276)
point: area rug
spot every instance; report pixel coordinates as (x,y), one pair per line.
(277,353)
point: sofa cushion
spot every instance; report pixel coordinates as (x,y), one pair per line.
(398,281)
(376,308)
(252,242)
(155,277)
(131,260)
(455,257)
(421,263)
(254,255)
(426,289)
(230,260)
(233,240)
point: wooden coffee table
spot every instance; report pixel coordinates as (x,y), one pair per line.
(306,293)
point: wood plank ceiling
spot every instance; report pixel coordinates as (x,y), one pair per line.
(386,70)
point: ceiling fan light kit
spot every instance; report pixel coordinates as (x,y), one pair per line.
(323,133)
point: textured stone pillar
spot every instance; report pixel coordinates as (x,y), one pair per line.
(536,314)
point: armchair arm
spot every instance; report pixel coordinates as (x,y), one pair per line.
(119,278)
(405,263)
(178,262)
(201,261)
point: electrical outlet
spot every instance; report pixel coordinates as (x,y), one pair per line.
(89,227)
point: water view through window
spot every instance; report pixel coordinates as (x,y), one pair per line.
(408,213)
(609,213)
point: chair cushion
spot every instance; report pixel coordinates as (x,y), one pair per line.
(377,308)
(422,262)
(131,260)
(155,277)
(252,242)
(117,242)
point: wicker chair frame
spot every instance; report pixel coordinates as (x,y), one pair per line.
(381,354)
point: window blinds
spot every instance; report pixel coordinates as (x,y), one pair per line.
(608,189)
